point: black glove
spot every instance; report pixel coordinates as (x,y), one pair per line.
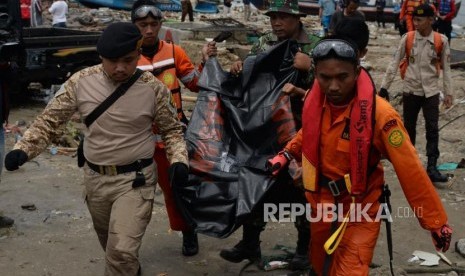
(14,159)
(179,174)
(383,93)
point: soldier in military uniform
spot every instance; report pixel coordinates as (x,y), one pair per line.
(285,24)
(119,174)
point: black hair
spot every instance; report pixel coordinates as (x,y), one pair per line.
(355,30)
(333,55)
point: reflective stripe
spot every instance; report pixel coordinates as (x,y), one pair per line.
(145,67)
(163,63)
(157,138)
(189,77)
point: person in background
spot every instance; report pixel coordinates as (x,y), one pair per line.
(168,62)
(5,70)
(187,10)
(380,5)
(406,11)
(420,84)
(445,12)
(350,10)
(227,4)
(327,8)
(36,13)
(25,12)
(59,10)
(119,173)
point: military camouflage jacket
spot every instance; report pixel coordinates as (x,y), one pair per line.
(123,133)
(269,39)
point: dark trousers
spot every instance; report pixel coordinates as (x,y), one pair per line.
(283,192)
(444,27)
(187,9)
(430,106)
(59,25)
(380,18)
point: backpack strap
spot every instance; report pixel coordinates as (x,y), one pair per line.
(438,45)
(120,90)
(409,44)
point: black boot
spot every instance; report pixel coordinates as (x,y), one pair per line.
(190,243)
(300,260)
(433,172)
(6,222)
(247,248)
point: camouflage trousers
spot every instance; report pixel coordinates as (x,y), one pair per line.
(120,214)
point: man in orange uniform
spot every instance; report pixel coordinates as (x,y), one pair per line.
(346,129)
(406,13)
(168,62)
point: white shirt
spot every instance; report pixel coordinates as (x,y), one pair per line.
(58,9)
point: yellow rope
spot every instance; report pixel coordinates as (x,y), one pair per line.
(332,243)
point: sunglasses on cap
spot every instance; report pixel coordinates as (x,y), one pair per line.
(340,47)
(143,11)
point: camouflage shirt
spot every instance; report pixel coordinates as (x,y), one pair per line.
(269,39)
(123,133)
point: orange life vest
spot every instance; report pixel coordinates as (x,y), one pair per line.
(163,67)
(412,4)
(408,50)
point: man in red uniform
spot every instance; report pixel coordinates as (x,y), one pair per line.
(168,62)
(346,129)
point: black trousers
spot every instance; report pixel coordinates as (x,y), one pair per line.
(186,7)
(430,106)
(283,192)
(444,27)
(380,17)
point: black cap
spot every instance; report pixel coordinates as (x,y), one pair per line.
(119,39)
(424,10)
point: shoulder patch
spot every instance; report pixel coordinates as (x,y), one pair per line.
(390,124)
(396,138)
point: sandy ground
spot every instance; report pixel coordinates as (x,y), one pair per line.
(58,238)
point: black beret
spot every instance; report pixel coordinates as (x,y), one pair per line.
(119,39)
(424,10)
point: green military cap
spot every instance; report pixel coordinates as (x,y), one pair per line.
(285,6)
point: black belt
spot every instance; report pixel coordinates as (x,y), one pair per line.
(114,170)
(337,187)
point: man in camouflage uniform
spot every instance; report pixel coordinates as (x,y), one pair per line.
(119,174)
(285,24)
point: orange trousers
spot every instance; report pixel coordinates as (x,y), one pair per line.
(177,222)
(355,251)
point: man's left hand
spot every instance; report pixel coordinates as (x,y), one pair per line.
(448,101)
(302,61)
(442,237)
